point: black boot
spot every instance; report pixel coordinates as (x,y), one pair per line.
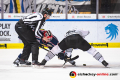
(42,64)
(17,61)
(104,63)
(24,62)
(72,62)
(35,62)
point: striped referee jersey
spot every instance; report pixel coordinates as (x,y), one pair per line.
(35,21)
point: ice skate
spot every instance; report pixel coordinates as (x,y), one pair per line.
(35,64)
(24,63)
(105,63)
(16,62)
(66,59)
(72,62)
(42,64)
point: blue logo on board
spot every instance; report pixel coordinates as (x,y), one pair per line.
(112,30)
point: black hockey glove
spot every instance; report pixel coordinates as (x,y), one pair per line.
(67,59)
(61,56)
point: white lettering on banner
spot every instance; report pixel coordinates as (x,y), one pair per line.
(5,31)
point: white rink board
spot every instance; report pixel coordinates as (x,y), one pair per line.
(97,29)
(102,34)
(59,28)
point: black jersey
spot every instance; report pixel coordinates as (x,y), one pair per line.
(35,21)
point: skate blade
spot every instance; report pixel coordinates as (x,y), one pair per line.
(38,66)
(63,66)
(41,67)
(35,66)
(24,65)
(74,65)
(16,64)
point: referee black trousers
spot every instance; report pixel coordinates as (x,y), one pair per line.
(28,38)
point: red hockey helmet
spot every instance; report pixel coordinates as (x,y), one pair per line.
(48,34)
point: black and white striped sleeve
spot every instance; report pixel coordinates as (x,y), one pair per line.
(34,20)
(37,32)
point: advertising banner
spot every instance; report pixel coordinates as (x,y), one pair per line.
(7,32)
(81,16)
(15,15)
(105,31)
(53,16)
(109,16)
(103,34)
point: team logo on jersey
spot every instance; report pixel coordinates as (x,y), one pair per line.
(72,74)
(112,30)
(49,45)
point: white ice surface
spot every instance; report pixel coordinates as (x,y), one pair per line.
(53,69)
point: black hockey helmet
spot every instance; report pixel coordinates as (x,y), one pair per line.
(47,11)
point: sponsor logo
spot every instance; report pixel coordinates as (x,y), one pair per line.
(56,16)
(72,74)
(49,45)
(19,16)
(112,17)
(103,16)
(9,16)
(112,31)
(83,16)
(73,16)
(3,45)
(99,44)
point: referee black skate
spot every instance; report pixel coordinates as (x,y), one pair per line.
(27,29)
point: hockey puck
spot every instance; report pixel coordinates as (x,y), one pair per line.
(84,64)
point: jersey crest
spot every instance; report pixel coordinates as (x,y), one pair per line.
(70,32)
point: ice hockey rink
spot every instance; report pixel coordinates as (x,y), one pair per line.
(54,70)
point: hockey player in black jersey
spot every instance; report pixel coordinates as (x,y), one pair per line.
(28,29)
(74,39)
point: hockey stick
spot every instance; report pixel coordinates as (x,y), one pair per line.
(43,47)
(74,58)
